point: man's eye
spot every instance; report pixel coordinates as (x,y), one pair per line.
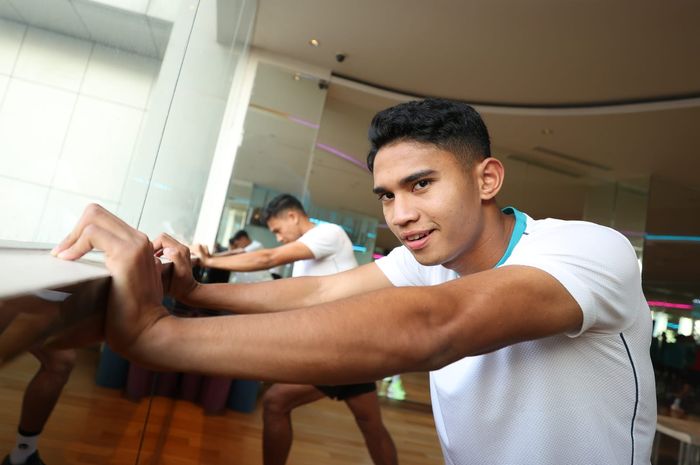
(422,184)
(386,196)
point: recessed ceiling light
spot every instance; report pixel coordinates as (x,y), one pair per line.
(314,42)
(296,76)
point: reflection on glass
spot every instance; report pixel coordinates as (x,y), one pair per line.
(278,156)
(276,153)
(120,103)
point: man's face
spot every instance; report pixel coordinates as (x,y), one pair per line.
(430,201)
(240,243)
(285,226)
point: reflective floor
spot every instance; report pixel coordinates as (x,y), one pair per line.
(95,425)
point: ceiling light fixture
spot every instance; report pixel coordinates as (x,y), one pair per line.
(314,42)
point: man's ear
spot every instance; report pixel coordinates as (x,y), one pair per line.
(293,215)
(490,173)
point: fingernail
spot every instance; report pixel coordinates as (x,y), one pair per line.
(54,251)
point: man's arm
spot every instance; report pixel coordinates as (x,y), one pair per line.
(268,296)
(371,335)
(360,338)
(287,294)
(258,260)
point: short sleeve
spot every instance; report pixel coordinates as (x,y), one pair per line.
(596,265)
(402,269)
(323,240)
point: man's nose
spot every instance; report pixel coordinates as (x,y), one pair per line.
(403,211)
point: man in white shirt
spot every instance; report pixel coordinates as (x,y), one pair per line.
(241,242)
(315,250)
(536,332)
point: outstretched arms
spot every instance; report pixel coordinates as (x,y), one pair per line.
(268,296)
(258,260)
(358,338)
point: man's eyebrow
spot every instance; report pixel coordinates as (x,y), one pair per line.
(411,178)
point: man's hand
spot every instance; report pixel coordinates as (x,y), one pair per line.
(182,283)
(134,303)
(202,252)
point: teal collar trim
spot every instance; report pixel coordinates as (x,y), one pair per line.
(518,231)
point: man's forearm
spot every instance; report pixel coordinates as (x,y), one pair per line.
(252,261)
(353,340)
(268,296)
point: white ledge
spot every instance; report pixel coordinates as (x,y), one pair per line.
(29,267)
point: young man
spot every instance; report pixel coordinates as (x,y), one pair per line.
(315,250)
(536,331)
(241,242)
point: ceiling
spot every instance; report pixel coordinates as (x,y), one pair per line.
(536,53)
(576,95)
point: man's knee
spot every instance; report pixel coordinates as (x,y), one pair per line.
(59,362)
(276,403)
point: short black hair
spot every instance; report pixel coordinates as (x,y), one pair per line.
(238,235)
(447,124)
(279,204)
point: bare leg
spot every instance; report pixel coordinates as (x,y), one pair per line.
(368,416)
(40,398)
(278,403)
(43,391)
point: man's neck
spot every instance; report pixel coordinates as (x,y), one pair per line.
(491,244)
(306,225)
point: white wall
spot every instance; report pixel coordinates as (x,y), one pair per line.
(81,122)
(70,115)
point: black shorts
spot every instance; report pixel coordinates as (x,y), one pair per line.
(347,390)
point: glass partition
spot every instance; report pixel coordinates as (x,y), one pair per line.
(276,153)
(122,104)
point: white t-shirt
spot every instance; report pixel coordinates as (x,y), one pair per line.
(332,251)
(253,246)
(582,398)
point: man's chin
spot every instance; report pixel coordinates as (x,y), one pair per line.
(426,259)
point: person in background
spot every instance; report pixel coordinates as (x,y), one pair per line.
(241,242)
(315,250)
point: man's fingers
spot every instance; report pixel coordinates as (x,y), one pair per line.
(164,241)
(92,215)
(91,236)
(177,257)
(200,250)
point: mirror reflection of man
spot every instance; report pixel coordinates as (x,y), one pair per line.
(315,250)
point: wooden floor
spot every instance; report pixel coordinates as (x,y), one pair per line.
(93,425)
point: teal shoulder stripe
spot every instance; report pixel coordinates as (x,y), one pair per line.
(518,230)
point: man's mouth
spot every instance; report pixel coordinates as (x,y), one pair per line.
(417,240)
(415,237)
